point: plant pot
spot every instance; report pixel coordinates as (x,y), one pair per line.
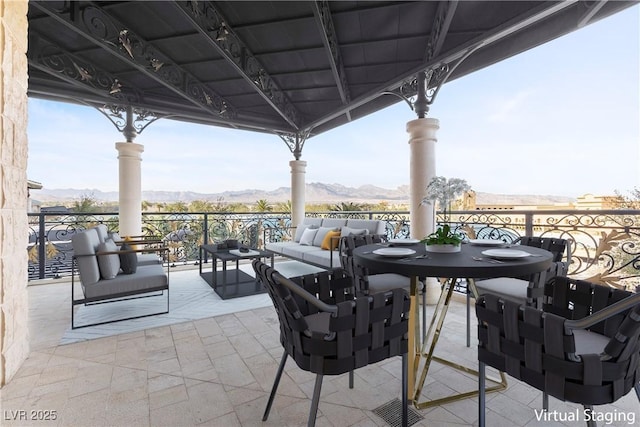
(443,249)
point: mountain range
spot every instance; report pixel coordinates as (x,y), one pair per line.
(315,193)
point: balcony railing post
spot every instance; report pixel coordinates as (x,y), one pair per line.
(528,224)
(42,253)
(205,238)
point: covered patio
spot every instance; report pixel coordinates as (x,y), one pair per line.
(292,69)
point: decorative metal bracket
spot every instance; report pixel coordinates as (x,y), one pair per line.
(123,119)
(420,91)
(295,141)
(95,24)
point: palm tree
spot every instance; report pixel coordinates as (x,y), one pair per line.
(263,205)
(347,207)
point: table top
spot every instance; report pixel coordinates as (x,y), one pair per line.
(223,254)
(454,265)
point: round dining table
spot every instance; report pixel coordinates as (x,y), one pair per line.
(474,261)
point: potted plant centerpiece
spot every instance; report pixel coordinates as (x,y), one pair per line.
(444,191)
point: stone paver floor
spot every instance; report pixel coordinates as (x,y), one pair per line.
(218,371)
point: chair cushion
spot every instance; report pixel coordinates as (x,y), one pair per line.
(506,287)
(128,260)
(109,264)
(322,231)
(330,240)
(319,322)
(387,281)
(307,236)
(588,342)
(85,243)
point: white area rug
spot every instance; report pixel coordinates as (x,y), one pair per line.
(190,298)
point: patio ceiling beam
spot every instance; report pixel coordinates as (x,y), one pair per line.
(440,28)
(210,22)
(114,37)
(591,12)
(500,33)
(329,37)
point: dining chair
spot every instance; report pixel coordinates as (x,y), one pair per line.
(327,330)
(525,290)
(583,346)
(367,282)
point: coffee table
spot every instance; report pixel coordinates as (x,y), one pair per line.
(231,282)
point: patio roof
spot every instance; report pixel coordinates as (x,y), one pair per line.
(291,68)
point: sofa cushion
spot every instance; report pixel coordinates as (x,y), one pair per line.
(320,257)
(372,226)
(334,222)
(128,260)
(109,264)
(298,250)
(307,236)
(300,230)
(330,240)
(84,249)
(348,231)
(322,231)
(103,232)
(278,247)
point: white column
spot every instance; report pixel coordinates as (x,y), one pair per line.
(298,168)
(422,168)
(130,186)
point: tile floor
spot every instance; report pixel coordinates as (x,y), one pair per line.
(218,370)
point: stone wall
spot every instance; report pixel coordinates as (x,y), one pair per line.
(14,333)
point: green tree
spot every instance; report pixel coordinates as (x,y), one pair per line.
(177,207)
(263,205)
(284,207)
(86,204)
(201,206)
(632,201)
(347,207)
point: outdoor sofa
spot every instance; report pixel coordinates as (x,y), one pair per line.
(316,239)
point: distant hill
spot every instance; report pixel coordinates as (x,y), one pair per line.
(316,192)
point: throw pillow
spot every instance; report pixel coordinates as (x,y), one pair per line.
(128,260)
(330,240)
(322,231)
(307,236)
(300,230)
(109,264)
(348,231)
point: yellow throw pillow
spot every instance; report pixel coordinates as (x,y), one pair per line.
(328,242)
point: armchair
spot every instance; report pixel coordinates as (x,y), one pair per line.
(329,332)
(525,290)
(582,347)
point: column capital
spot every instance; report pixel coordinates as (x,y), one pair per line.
(423,129)
(298,165)
(129,148)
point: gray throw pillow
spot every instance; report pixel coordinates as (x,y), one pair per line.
(128,261)
(109,264)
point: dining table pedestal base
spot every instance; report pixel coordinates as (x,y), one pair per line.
(424,354)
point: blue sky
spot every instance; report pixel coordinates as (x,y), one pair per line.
(560,119)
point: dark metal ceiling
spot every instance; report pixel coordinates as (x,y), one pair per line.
(292,68)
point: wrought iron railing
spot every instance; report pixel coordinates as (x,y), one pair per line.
(604,244)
